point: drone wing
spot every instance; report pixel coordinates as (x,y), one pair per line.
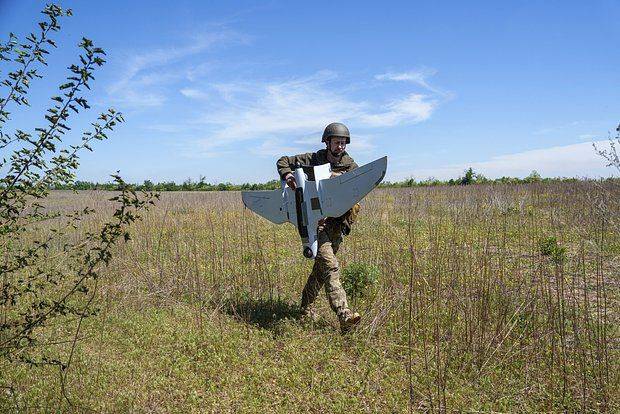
(340,193)
(268,204)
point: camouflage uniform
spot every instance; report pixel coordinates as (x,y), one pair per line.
(287,164)
(326,271)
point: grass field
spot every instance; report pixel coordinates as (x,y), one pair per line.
(489,299)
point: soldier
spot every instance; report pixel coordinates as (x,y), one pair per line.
(326,271)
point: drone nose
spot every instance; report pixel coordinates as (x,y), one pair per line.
(308,252)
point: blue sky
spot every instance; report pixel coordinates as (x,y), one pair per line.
(222,89)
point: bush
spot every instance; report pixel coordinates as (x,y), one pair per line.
(358,278)
(48,270)
(549,247)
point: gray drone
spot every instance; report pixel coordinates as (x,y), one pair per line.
(315,198)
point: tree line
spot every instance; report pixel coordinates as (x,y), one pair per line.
(469,177)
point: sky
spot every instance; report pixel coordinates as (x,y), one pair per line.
(222,89)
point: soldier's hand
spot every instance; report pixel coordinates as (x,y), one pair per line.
(290,181)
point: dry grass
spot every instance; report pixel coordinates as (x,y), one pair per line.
(199,309)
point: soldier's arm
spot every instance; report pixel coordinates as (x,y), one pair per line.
(286,164)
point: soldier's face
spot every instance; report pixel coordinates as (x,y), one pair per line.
(337,145)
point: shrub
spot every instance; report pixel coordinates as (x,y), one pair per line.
(48,270)
(358,278)
(549,247)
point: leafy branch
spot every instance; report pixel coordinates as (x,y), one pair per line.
(26,54)
(51,272)
(611,155)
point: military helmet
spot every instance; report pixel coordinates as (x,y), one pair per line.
(336,129)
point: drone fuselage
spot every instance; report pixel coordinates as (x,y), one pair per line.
(308,206)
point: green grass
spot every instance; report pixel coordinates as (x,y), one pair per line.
(199,312)
(164,360)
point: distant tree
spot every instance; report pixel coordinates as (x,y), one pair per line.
(147,185)
(534,177)
(167,186)
(429,182)
(480,179)
(47,271)
(468,178)
(187,185)
(202,184)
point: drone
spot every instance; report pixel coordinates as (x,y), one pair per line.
(316,196)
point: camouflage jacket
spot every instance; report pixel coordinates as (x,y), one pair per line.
(286,165)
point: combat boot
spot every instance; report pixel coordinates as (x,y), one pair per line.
(348,320)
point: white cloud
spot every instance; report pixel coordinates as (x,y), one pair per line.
(272,146)
(169,128)
(298,107)
(132,97)
(193,73)
(575,160)
(419,77)
(309,139)
(416,76)
(360,144)
(411,109)
(292,107)
(145,72)
(293,110)
(199,149)
(193,93)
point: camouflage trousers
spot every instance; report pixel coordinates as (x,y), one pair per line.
(326,272)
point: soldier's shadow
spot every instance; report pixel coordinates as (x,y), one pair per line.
(273,315)
(263,313)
